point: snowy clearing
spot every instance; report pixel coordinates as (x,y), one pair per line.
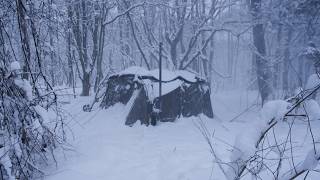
(104,148)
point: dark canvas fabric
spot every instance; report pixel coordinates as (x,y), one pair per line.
(196,100)
(140,110)
(170,105)
(207,107)
(119,89)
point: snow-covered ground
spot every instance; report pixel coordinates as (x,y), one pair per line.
(104,148)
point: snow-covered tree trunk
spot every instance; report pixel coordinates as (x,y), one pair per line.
(53,57)
(22,20)
(70,76)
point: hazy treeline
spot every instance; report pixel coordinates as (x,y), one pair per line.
(232,43)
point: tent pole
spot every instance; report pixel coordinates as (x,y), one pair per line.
(160,76)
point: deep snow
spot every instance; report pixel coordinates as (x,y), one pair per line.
(104,148)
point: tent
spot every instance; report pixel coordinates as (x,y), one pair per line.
(183,95)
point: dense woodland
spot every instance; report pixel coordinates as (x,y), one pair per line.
(248,43)
(269,46)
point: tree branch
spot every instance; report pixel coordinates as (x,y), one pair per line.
(124,13)
(136,39)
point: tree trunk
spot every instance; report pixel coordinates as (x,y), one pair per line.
(96,46)
(276,76)
(263,70)
(3,52)
(70,77)
(86,84)
(24,32)
(210,64)
(52,53)
(285,75)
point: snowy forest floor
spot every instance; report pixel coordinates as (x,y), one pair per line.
(104,148)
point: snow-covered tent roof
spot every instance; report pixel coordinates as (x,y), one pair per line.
(167,75)
(172,79)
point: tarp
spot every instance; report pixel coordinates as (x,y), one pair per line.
(180,96)
(140,109)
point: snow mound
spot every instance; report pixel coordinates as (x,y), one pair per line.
(311,161)
(313,81)
(313,109)
(15,66)
(274,110)
(26,86)
(244,147)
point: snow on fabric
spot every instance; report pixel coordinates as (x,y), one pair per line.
(311,51)
(166,74)
(153,88)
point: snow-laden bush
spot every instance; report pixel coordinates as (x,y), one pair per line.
(262,152)
(27,136)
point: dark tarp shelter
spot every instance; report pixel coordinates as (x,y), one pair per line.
(184,94)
